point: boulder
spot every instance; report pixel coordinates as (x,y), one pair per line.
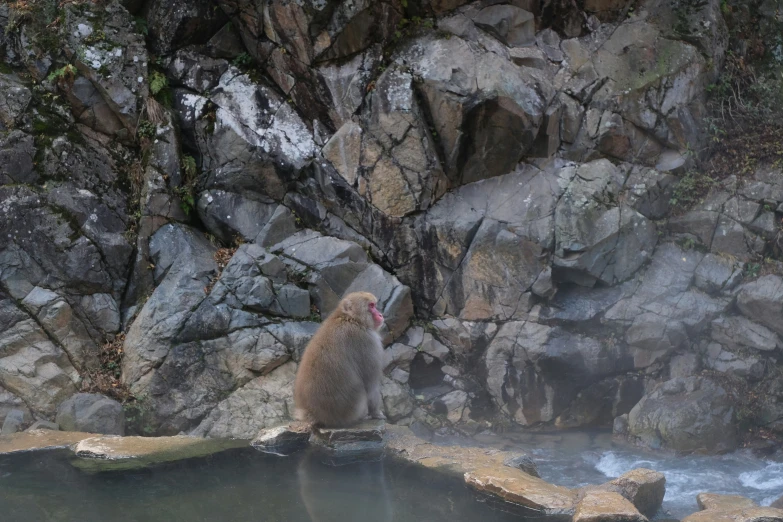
(691,414)
(91,413)
(172,26)
(732,508)
(534,372)
(282,440)
(13,422)
(597,240)
(606,506)
(762,301)
(644,488)
(44,425)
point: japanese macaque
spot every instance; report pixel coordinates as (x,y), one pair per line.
(339,379)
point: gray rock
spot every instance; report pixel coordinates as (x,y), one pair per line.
(684,365)
(513,26)
(524,462)
(114,75)
(453,405)
(738,332)
(35,372)
(15,101)
(617,241)
(654,337)
(692,414)
(172,26)
(263,402)
(91,413)
(397,400)
(762,301)
(525,358)
(281,440)
(44,425)
(184,264)
(716,273)
(196,71)
(738,363)
(13,422)
(228,215)
(17,151)
(620,425)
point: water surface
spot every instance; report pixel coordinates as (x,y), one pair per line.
(238,485)
(575,459)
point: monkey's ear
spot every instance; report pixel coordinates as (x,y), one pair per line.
(346,306)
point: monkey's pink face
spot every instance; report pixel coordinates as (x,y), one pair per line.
(377,317)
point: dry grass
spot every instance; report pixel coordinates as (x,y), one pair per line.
(105,379)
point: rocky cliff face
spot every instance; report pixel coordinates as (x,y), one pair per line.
(208,178)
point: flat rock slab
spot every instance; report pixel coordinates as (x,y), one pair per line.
(366,431)
(119,453)
(644,488)
(40,439)
(282,440)
(606,506)
(484,470)
(732,508)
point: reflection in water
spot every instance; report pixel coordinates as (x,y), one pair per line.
(238,485)
(364,497)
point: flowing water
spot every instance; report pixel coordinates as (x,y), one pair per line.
(237,485)
(246,485)
(574,459)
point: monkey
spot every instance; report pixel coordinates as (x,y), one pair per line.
(338,382)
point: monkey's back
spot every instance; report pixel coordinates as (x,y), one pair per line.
(330,386)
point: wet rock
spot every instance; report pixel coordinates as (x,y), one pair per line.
(44,425)
(731,508)
(111,453)
(366,431)
(606,506)
(644,488)
(523,462)
(692,414)
(39,440)
(282,440)
(92,413)
(13,422)
(344,445)
(484,471)
(762,301)
(620,425)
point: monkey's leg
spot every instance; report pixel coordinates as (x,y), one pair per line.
(375,402)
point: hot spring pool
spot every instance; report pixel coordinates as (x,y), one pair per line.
(237,485)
